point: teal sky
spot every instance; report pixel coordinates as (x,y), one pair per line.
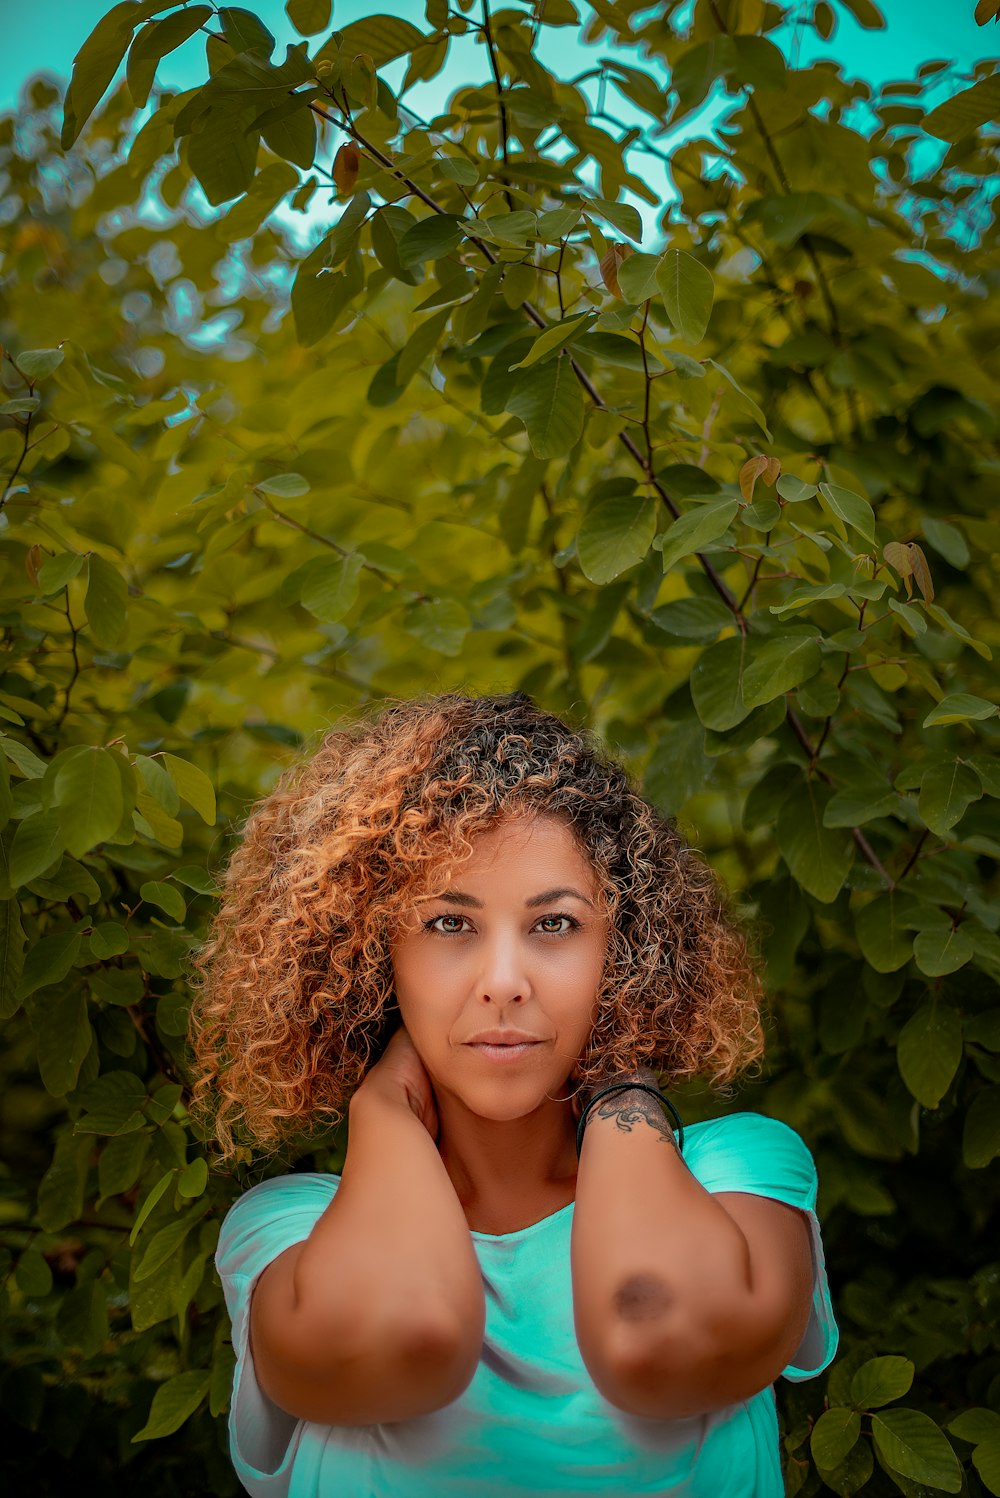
(44,37)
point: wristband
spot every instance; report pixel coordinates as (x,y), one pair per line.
(617,1087)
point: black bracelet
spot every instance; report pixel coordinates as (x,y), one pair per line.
(617,1087)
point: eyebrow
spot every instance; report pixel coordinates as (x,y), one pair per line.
(469,902)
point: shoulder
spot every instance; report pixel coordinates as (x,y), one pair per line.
(269,1218)
(753,1153)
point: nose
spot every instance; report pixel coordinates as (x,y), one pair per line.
(503,976)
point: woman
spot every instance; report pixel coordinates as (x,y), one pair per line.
(460,922)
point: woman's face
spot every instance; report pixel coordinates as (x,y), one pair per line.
(512,951)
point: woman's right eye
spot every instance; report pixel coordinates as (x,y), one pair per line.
(449,931)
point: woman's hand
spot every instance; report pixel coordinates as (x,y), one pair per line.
(400,1075)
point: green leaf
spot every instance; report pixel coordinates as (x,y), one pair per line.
(717,684)
(981,1134)
(112,1105)
(290,131)
(154,41)
(880,1381)
(63,1037)
(748,404)
(851,509)
(778,664)
(697,528)
(284,486)
(946,539)
(36,363)
(166,896)
(688,291)
(245,32)
(819,857)
(622,216)
(422,341)
(193,1178)
(700,619)
(174,1402)
(11,957)
(309,16)
(880,927)
(88,793)
(382,38)
(331,588)
(121,1162)
(33,1275)
(54,574)
(60,1195)
(152,1197)
(163,1245)
(637,279)
(554,338)
(48,962)
(37,845)
(866,14)
(793,490)
(911,1443)
(549,401)
(193,786)
(986,1460)
(104,604)
(960,115)
(942,950)
(441,625)
(222,155)
(616,533)
(833,1436)
(946,793)
(95,65)
(678,766)
(865,797)
(975,1425)
(960,707)
(458,169)
(430,238)
(928,1050)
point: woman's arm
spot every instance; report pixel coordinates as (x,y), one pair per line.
(379,1314)
(684,1302)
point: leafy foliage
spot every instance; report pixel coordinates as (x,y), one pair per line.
(734,493)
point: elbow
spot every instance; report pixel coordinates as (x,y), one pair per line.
(674,1366)
(370,1369)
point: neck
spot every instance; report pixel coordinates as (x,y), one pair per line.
(507,1170)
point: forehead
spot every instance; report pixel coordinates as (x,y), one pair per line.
(527,846)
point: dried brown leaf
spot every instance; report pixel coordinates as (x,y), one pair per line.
(610,261)
(346,165)
(750,473)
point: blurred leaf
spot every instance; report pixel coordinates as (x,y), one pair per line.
(174,1402)
(911,1443)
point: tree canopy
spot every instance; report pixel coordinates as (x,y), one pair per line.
(715,475)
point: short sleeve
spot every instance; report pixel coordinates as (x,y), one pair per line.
(764,1157)
(265,1221)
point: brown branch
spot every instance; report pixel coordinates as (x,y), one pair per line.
(491,49)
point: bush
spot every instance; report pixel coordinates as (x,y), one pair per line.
(730,497)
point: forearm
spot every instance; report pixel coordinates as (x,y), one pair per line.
(393,1249)
(377,1315)
(659,1267)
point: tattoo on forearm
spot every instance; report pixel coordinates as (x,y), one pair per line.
(628,1108)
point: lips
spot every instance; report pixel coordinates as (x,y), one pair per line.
(504,1038)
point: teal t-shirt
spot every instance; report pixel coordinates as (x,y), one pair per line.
(531,1423)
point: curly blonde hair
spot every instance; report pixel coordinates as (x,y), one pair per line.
(294,989)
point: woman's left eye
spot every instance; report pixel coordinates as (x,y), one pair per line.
(567,928)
